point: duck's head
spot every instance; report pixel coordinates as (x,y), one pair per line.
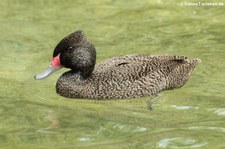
(74,52)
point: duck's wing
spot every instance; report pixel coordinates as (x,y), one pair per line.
(134,75)
(131,64)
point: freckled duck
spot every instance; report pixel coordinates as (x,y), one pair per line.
(129,76)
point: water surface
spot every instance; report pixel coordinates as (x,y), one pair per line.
(33,116)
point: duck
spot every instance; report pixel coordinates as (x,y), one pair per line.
(121,77)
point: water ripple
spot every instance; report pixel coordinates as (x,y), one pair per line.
(220,129)
(184,107)
(84,139)
(129,128)
(220,112)
(183,143)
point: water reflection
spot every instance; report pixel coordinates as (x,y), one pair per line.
(53,123)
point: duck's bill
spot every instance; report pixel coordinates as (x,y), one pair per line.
(46,73)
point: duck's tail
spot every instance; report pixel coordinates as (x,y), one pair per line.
(181,73)
(194,62)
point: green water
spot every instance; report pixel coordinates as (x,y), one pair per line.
(33,116)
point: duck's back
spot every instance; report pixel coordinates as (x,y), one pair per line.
(129,76)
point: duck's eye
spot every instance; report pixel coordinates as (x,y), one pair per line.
(70,48)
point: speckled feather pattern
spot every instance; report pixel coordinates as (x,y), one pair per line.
(130,76)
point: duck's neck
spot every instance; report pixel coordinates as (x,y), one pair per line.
(85,66)
(83,74)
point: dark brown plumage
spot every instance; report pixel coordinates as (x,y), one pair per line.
(129,76)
